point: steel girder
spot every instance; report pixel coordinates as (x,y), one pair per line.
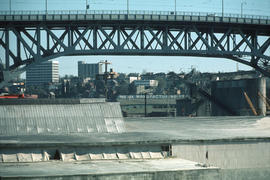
(24,46)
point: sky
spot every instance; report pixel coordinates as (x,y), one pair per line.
(126,64)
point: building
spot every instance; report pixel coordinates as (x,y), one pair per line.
(89,70)
(44,73)
(145,86)
(156,105)
(231,93)
(146,83)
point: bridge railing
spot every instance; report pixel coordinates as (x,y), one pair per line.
(132,12)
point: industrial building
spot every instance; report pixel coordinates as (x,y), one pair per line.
(86,70)
(244,97)
(148,105)
(44,73)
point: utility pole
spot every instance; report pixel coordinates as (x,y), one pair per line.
(106,76)
(145,104)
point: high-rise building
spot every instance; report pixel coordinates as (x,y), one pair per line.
(46,72)
(89,70)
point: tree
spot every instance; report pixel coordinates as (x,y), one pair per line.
(100,88)
(162,84)
(123,88)
(132,89)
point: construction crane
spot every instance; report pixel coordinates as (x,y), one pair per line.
(106,75)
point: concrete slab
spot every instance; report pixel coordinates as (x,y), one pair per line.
(131,169)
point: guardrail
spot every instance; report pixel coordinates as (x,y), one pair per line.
(135,12)
(152,96)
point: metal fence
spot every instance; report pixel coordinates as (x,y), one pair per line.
(135,12)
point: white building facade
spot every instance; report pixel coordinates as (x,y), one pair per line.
(44,73)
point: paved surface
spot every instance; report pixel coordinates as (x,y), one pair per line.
(203,127)
(54,168)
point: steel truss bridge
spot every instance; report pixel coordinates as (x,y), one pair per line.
(29,38)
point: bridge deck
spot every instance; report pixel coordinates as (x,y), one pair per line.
(132,16)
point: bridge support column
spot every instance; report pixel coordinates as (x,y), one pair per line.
(262,91)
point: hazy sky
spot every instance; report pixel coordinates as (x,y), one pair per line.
(68,65)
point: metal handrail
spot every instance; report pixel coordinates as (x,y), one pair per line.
(132,12)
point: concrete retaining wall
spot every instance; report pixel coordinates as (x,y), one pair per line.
(170,175)
(236,160)
(228,156)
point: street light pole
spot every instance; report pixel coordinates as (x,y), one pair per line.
(145,104)
(175,7)
(222,8)
(242,4)
(127,6)
(10,6)
(46,6)
(86,6)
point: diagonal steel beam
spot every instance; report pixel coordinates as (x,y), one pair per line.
(33,40)
(152,40)
(155,36)
(262,50)
(221,39)
(7,47)
(246,40)
(76,36)
(25,43)
(239,44)
(175,39)
(128,37)
(15,58)
(56,44)
(58,40)
(265,45)
(81,37)
(218,43)
(201,36)
(194,43)
(84,40)
(107,36)
(255,66)
(106,40)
